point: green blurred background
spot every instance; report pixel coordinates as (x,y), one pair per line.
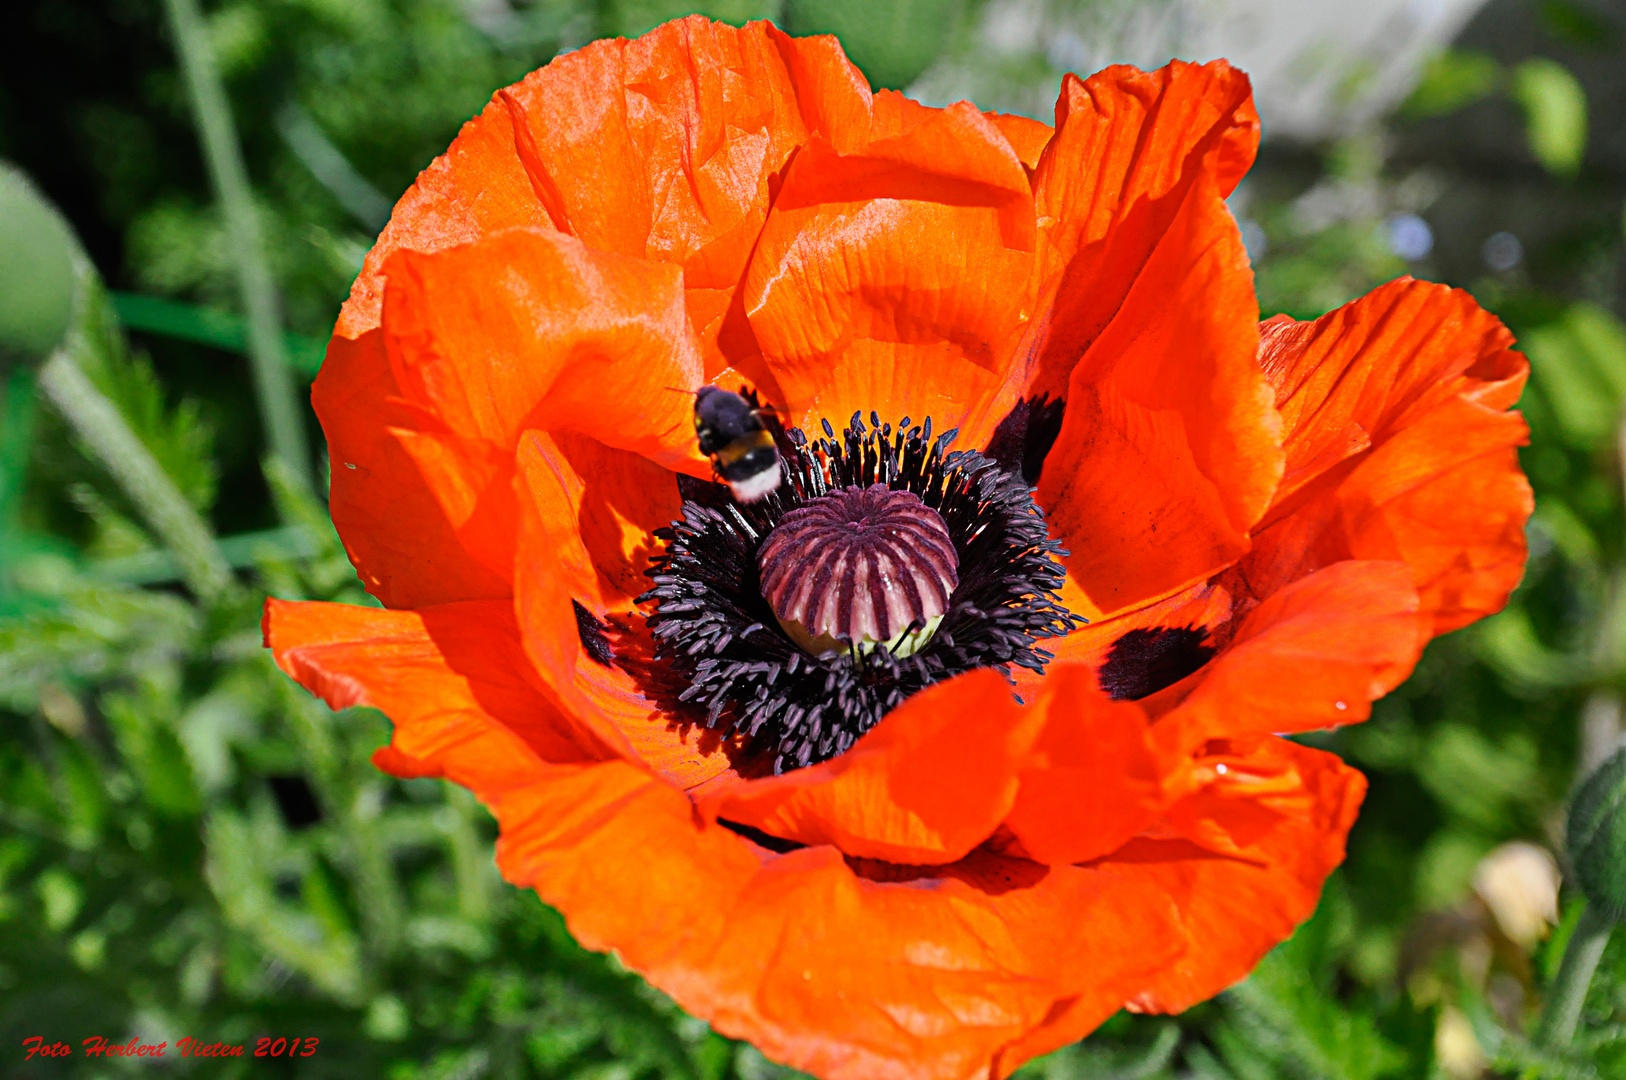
(190,845)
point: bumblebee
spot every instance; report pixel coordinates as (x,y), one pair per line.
(735,432)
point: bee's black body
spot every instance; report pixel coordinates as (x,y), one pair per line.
(733,433)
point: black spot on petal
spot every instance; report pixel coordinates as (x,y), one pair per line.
(591,631)
(1145,660)
(1023,439)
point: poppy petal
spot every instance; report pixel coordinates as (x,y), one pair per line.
(1401,448)
(1244,859)
(1128,146)
(926,975)
(1357,375)
(1027,137)
(528,328)
(927,784)
(586,513)
(665,148)
(1314,654)
(1169,450)
(477,187)
(891,278)
(424,516)
(1094,776)
(1445,495)
(1128,651)
(846,975)
(450,677)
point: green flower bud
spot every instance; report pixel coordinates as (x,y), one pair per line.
(37,277)
(1597,837)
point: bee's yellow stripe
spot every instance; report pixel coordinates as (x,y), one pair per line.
(737,449)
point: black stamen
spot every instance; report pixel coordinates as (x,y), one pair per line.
(591,631)
(713,628)
(1147,659)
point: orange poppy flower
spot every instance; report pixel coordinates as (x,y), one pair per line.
(882,863)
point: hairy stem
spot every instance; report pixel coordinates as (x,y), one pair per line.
(102,428)
(1562,1012)
(273,379)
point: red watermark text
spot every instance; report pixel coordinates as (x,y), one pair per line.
(99,1046)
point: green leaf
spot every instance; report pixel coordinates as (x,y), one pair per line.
(1452,80)
(1476,776)
(1554,113)
(142,720)
(237,870)
(892,41)
(1314,1029)
(179,438)
(1575,24)
(208,326)
(1578,363)
(630,18)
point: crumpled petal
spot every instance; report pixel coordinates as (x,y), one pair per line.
(426,517)
(1314,654)
(659,148)
(530,329)
(839,969)
(1027,137)
(522,328)
(1129,653)
(1128,145)
(891,277)
(1400,448)
(1243,858)
(817,965)
(451,677)
(1169,451)
(1354,377)
(586,512)
(1094,777)
(927,784)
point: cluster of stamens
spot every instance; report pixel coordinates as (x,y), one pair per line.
(882,563)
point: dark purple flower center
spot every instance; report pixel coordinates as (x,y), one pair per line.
(903,562)
(859,567)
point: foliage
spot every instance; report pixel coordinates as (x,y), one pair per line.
(193,846)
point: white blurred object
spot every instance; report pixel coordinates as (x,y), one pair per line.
(1456,1048)
(1409,236)
(1601,730)
(1502,251)
(1519,883)
(1320,68)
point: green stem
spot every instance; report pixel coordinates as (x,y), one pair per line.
(16,441)
(273,379)
(100,425)
(1562,1012)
